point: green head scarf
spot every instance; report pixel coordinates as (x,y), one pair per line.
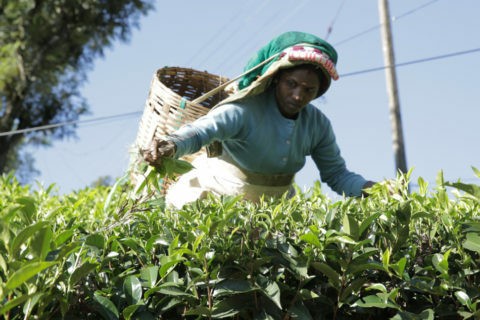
(279,44)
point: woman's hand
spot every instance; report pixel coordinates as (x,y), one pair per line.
(367,185)
(157,150)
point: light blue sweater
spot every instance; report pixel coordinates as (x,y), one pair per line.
(256,135)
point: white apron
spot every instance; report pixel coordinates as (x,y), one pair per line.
(219,176)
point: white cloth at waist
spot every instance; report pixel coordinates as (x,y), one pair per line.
(220,176)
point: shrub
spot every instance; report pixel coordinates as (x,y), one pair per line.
(103,253)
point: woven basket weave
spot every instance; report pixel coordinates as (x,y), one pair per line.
(169,104)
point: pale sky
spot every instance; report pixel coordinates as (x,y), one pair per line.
(439,99)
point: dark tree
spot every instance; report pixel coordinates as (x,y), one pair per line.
(46,49)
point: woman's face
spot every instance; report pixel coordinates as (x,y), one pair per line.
(295,89)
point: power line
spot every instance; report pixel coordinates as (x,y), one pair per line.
(448,55)
(137,113)
(246,46)
(393,19)
(250,41)
(218,36)
(66,123)
(330,27)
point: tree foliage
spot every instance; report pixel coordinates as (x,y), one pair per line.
(46,48)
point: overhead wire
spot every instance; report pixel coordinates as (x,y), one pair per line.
(137,113)
(216,36)
(247,45)
(106,142)
(330,27)
(66,123)
(215,50)
(393,19)
(402,64)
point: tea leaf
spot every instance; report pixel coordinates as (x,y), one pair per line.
(3,265)
(114,188)
(472,242)
(81,272)
(201,311)
(106,307)
(95,240)
(300,311)
(129,311)
(472,189)
(132,243)
(170,289)
(352,287)
(331,274)
(440,262)
(176,166)
(226,308)
(350,226)
(40,243)
(30,304)
(308,294)
(471,227)
(312,239)
(477,171)
(427,314)
(341,239)
(399,267)
(272,290)
(13,303)
(28,206)
(374,301)
(168,263)
(232,286)
(463,298)
(63,237)
(367,222)
(386,258)
(132,289)
(26,272)
(149,276)
(24,235)
(68,249)
(377,286)
(370,265)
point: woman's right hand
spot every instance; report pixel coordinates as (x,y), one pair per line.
(157,150)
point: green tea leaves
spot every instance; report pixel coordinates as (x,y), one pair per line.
(308,258)
(25,273)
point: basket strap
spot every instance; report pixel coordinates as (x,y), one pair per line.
(223,85)
(183,102)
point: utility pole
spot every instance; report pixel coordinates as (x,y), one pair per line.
(391,78)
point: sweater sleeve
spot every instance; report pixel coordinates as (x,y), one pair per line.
(333,171)
(219,124)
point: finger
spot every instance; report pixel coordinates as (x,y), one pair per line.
(146,154)
(154,150)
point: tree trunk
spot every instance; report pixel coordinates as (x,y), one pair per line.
(8,145)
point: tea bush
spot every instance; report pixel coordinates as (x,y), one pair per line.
(110,253)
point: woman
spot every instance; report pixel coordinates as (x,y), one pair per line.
(266,129)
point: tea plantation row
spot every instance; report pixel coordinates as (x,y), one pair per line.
(108,253)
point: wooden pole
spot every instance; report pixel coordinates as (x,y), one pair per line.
(391,78)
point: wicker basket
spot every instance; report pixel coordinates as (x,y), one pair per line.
(171,104)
